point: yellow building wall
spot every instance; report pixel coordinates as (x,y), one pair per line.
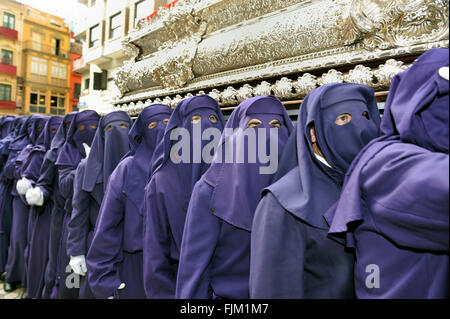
(13,45)
(47,28)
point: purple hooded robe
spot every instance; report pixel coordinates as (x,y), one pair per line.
(115,255)
(20,149)
(82,130)
(169,190)
(39,218)
(291,256)
(394,206)
(49,185)
(215,251)
(110,144)
(5,192)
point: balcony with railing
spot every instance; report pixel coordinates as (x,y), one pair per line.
(7,105)
(58,82)
(38,78)
(43,79)
(37,46)
(7,67)
(9,33)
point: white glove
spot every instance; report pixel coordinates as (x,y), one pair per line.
(122,285)
(444,72)
(87,149)
(35,197)
(23,185)
(78,265)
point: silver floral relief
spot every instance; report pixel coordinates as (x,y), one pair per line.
(387,71)
(305,84)
(332,76)
(360,74)
(245,92)
(264,88)
(283,88)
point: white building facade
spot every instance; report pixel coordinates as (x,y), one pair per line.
(103,26)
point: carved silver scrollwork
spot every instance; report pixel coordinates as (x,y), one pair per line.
(199,41)
(394,23)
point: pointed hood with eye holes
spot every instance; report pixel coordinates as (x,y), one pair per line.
(34,129)
(182,110)
(5,125)
(237,186)
(61,133)
(417,113)
(37,128)
(143,142)
(16,126)
(28,132)
(188,173)
(44,140)
(304,186)
(109,146)
(72,151)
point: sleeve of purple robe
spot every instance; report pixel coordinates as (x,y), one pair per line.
(78,225)
(47,176)
(10,165)
(66,176)
(200,236)
(159,273)
(104,254)
(411,209)
(33,168)
(277,244)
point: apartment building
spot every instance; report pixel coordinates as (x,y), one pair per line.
(11,14)
(105,24)
(46,63)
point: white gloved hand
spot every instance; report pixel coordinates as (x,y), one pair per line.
(87,149)
(23,185)
(78,265)
(121,286)
(35,197)
(444,72)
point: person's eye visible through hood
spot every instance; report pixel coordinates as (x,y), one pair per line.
(253,123)
(275,123)
(196,119)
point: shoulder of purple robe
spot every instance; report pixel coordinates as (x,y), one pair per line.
(159,272)
(406,189)
(78,225)
(200,236)
(277,255)
(104,254)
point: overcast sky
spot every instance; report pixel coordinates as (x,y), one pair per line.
(67,9)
